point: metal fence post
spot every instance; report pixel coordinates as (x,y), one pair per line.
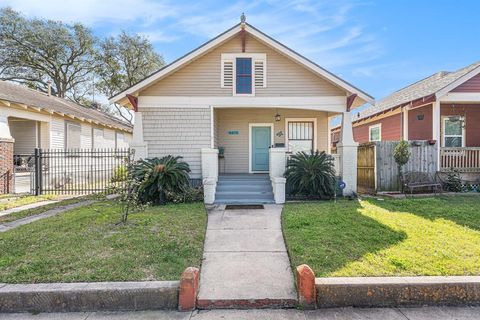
(38,172)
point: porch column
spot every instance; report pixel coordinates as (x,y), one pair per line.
(405,123)
(138,144)
(277,170)
(209,174)
(6,157)
(436,133)
(347,148)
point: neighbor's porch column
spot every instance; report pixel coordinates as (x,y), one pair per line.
(436,125)
(277,171)
(209,174)
(138,144)
(347,148)
(6,157)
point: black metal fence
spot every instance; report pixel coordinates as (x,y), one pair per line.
(80,171)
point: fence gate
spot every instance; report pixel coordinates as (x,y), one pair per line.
(366,168)
(80,171)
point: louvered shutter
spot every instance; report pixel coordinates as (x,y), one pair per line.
(260,74)
(227,73)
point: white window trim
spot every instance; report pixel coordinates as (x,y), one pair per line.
(233,57)
(444,119)
(250,126)
(315,129)
(379,126)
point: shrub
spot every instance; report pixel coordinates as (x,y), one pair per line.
(158,176)
(453,182)
(401,154)
(120,174)
(189,195)
(311,174)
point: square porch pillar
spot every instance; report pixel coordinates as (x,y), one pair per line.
(347,148)
(138,144)
(6,157)
(278,163)
(209,174)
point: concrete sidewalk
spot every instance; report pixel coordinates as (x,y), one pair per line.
(245,260)
(426,313)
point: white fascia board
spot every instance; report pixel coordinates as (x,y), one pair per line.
(163,72)
(473,97)
(457,82)
(322,103)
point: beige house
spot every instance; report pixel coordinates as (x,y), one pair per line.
(235,107)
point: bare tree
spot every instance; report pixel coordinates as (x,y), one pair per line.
(35,51)
(125,60)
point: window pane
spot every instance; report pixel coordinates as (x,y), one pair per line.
(73,136)
(375,134)
(244,75)
(453,127)
(296,146)
(453,142)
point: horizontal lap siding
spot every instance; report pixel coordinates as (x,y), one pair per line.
(420,129)
(472,85)
(391,129)
(471,112)
(236,146)
(202,77)
(25,134)
(177,131)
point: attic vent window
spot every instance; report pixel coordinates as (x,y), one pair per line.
(420,117)
(243,72)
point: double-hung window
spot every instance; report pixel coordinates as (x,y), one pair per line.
(243,76)
(375,133)
(73,135)
(453,132)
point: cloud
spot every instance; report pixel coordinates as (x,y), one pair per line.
(93,12)
(158,36)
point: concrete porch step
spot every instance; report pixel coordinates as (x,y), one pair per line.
(206,304)
(244,201)
(243,177)
(244,187)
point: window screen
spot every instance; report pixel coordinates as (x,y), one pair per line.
(244,76)
(300,136)
(73,135)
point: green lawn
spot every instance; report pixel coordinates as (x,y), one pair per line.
(88,244)
(24,200)
(34,211)
(431,236)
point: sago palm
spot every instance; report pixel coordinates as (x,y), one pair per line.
(311,174)
(157,176)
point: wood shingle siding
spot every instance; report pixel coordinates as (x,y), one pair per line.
(177,131)
(202,77)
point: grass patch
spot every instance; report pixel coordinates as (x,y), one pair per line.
(88,244)
(21,201)
(34,211)
(432,236)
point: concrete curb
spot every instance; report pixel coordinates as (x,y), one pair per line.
(96,296)
(398,291)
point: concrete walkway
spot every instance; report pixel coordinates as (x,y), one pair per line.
(245,260)
(426,313)
(50,213)
(27,207)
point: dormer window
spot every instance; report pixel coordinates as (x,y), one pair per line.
(243,72)
(243,76)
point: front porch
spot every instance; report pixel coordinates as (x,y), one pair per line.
(248,159)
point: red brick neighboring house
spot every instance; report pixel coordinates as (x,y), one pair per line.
(443,108)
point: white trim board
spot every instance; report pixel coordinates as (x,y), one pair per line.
(226,36)
(250,126)
(440,93)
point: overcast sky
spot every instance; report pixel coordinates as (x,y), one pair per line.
(379,46)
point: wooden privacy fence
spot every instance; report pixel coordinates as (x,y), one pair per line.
(378,171)
(366,168)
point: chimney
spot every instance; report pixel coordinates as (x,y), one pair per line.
(49,83)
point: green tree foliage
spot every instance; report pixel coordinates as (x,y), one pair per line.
(36,51)
(311,174)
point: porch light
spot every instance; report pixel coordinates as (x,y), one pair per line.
(278,117)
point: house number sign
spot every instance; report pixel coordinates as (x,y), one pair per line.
(233,132)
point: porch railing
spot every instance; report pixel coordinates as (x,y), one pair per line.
(463,159)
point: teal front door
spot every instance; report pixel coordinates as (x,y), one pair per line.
(261,140)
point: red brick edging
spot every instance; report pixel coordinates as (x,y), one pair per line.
(189,281)
(307,292)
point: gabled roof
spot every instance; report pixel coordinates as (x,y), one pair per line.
(39,101)
(433,86)
(208,46)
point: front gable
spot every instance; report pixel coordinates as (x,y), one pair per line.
(471,85)
(203,76)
